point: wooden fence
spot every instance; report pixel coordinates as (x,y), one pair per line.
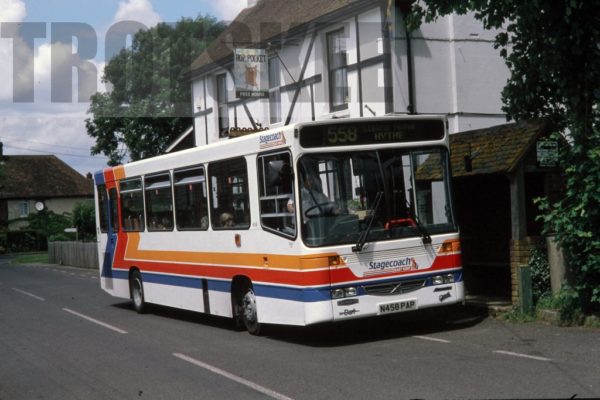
(74,254)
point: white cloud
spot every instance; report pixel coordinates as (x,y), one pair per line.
(43,127)
(228,9)
(12,10)
(64,136)
(139,11)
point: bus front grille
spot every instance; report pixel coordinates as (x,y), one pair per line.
(394,288)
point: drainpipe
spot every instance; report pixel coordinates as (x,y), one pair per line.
(404,7)
(412,109)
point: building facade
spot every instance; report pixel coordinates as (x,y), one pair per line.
(348,58)
(32,183)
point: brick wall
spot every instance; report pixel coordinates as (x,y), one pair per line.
(520,253)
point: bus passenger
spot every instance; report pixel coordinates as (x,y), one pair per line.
(227,220)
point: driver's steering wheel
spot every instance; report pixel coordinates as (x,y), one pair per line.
(319,206)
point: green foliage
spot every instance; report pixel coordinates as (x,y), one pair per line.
(515,315)
(568,305)
(31,258)
(48,223)
(150,101)
(84,219)
(551,49)
(540,274)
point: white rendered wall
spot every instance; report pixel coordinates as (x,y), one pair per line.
(457,73)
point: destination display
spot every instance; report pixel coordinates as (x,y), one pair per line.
(382,131)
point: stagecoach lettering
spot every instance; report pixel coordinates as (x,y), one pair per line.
(399,263)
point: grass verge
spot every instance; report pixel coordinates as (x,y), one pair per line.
(31,258)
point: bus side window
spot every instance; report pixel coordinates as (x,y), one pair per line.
(229,191)
(132,205)
(114,215)
(102,208)
(191,210)
(159,202)
(276,191)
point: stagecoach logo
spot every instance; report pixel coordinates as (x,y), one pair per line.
(272,140)
(397,265)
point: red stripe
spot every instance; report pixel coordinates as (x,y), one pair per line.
(270,275)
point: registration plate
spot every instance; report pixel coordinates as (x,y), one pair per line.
(397,306)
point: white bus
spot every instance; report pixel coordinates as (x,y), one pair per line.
(312,222)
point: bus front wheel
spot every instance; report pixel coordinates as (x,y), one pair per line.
(250,312)
(136,288)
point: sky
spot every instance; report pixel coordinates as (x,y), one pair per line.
(36,118)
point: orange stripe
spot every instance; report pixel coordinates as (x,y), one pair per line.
(119,172)
(275,261)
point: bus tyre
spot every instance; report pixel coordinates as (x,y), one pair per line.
(136,288)
(250,313)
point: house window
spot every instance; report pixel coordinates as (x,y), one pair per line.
(24,208)
(222,105)
(229,190)
(274,93)
(337,61)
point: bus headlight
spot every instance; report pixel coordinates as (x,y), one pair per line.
(449,278)
(437,280)
(344,292)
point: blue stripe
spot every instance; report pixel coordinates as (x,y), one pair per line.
(181,281)
(294,294)
(276,292)
(307,295)
(99,178)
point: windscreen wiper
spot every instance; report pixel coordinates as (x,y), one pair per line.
(363,236)
(424,234)
(422,230)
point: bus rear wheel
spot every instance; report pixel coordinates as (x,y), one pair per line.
(136,288)
(250,312)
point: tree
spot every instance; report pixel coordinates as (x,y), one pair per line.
(50,224)
(84,219)
(149,104)
(552,49)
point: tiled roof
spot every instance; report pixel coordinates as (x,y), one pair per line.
(39,177)
(497,149)
(266,20)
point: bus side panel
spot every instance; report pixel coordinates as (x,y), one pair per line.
(115,287)
(186,298)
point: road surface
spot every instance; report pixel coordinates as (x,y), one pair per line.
(62,337)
